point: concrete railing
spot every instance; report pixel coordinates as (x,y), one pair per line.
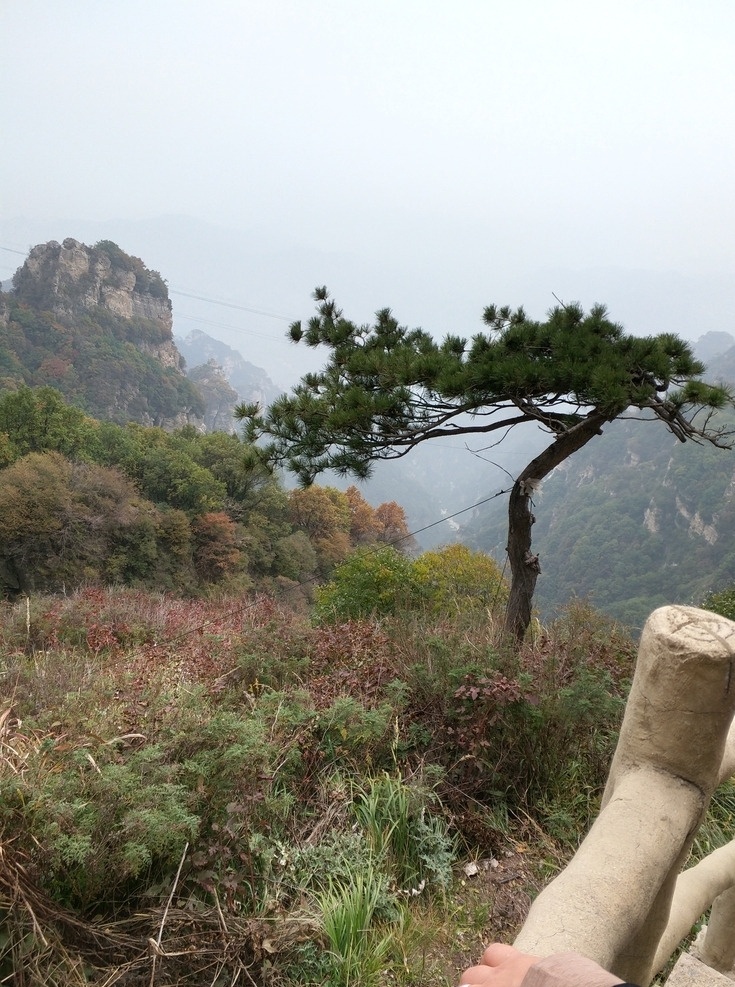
(623,900)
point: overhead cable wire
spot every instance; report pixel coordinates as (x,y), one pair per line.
(235,305)
(449,517)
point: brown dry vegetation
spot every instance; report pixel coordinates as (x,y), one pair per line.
(190,791)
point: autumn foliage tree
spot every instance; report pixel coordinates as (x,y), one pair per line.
(216,550)
(384,524)
(365,528)
(323,514)
(386,388)
(393,526)
(63,522)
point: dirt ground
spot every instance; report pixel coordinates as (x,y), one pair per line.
(489,903)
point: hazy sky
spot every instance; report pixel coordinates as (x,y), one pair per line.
(431,156)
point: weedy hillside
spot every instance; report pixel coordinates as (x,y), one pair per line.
(210,792)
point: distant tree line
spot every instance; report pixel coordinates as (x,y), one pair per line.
(84,501)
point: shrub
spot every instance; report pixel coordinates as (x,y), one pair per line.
(383,582)
(412,843)
(351,732)
(540,736)
(369,584)
(455,579)
(102,828)
(722,602)
(285,754)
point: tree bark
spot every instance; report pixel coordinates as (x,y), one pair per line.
(524,565)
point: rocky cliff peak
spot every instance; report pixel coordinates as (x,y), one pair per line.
(74,319)
(71,277)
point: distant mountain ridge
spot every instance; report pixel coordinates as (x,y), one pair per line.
(712,346)
(224,378)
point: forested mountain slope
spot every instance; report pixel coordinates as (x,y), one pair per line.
(95,324)
(85,502)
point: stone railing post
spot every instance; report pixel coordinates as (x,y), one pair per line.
(612,901)
(711,880)
(718,949)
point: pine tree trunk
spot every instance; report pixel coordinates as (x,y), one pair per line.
(524,565)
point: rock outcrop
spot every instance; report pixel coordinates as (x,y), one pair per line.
(68,277)
(98,326)
(219,397)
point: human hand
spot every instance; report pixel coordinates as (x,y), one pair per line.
(501,966)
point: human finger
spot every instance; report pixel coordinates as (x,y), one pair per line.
(478,976)
(498,953)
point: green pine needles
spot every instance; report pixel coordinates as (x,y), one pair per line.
(386,388)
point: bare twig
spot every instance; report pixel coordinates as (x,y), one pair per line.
(165,913)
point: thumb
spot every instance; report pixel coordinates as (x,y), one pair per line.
(497,953)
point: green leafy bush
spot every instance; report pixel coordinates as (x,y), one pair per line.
(722,602)
(369,583)
(103,827)
(351,732)
(455,579)
(383,582)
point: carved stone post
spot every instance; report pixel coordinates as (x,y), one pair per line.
(718,949)
(612,901)
(711,880)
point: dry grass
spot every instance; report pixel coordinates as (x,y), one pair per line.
(47,945)
(110,675)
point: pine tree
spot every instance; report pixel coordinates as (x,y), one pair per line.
(386,388)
